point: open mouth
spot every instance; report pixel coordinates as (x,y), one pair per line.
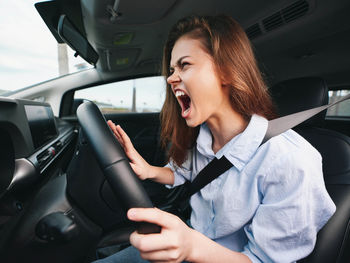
(184,101)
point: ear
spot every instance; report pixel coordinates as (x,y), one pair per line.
(224,82)
(226,87)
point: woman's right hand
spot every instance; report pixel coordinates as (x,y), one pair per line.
(138,164)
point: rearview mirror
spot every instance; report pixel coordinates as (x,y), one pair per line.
(70,34)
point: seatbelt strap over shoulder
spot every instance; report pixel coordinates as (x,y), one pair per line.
(282,124)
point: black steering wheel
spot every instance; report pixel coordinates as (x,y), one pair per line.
(114,163)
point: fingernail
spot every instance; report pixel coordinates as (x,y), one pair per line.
(131,213)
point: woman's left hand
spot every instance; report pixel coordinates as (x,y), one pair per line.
(173,244)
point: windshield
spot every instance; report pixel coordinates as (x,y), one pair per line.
(29,53)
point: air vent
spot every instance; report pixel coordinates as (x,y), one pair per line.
(253,31)
(273,21)
(286,15)
(294,11)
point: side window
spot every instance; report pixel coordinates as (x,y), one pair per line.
(135,95)
(343,108)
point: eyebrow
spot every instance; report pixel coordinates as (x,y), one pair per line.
(178,62)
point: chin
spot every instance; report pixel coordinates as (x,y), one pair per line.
(192,123)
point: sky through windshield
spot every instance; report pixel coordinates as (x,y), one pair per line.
(28,51)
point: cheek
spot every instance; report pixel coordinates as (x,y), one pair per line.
(210,89)
(203,86)
(210,80)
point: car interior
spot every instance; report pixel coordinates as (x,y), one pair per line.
(58,202)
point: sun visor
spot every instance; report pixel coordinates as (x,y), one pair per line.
(49,12)
(64,20)
(71,35)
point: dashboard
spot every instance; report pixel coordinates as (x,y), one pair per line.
(31,140)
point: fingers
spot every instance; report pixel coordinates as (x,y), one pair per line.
(121,135)
(138,164)
(157,247)
(114,130)
(169,245)
(148,242)
(160,256)
(111,125)
(124,136)
(153,215)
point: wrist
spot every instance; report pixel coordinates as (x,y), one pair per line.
(149,174)
(193,241)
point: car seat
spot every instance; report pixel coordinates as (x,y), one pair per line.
(290,96)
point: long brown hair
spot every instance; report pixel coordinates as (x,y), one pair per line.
(226,42)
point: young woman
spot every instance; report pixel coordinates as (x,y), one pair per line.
(269,206)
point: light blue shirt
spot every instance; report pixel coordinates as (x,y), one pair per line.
(270,204)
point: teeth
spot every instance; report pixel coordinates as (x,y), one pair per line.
(179,93)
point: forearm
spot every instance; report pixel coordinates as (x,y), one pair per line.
(163,175)
(206,250)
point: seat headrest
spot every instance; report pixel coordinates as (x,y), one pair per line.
(300,94)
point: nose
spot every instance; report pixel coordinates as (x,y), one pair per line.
(174,78)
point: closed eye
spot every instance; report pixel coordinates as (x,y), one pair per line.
(183,64)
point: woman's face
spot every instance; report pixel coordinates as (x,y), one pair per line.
(195,83)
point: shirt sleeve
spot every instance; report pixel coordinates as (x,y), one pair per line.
(183,173)
(295,206)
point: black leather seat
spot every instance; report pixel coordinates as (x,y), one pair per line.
(333,242)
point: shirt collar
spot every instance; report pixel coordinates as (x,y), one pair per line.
(240,149)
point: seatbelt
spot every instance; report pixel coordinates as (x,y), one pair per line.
(275,127)
(282,124)
(213,170)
